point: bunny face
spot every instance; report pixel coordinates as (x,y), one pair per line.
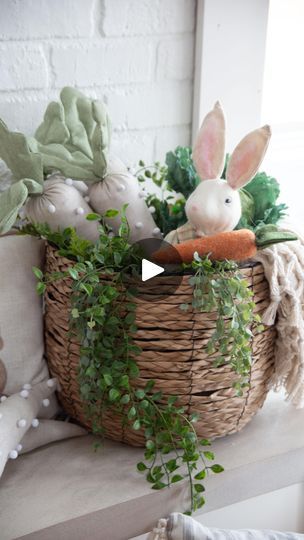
(213,207)
(215,204)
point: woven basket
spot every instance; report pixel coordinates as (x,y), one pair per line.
(173,354)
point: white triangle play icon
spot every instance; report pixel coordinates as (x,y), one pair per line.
(150,270)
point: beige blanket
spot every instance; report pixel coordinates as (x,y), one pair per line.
(284,270)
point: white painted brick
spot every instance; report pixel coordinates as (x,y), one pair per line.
(23,114)
(169,138)
(34,19)
(151,106)
(136,54)
(131,146)
(175,58)
(22,66)
(142,17)
(112,62)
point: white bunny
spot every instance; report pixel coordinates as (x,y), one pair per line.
(215,204)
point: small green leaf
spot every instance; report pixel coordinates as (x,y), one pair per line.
(111,213)
(125,399)
(205,442)
(159,485)
(150,444)
(75,313)
(171,465)
(140,394)
(130,318)
(137,425)
(217,468)
(132,413)
(141,467)
(114,394)
(176,478)
(73,273)
(124,381)
(201,475)
(93,217)
(149,385)
(38,273)
(199,488)
(108,379)
(134,370)
(86,287)
(209,455)
(172,400)
(40,287)
(144,404)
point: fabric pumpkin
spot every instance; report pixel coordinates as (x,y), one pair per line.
(119,187)
(61,205)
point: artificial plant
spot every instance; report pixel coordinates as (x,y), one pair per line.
(108,372)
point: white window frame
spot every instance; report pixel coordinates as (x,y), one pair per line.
(229,63)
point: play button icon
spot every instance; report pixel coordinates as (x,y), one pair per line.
(153,278)
(149,270)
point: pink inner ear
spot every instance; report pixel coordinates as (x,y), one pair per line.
(247,157)
(209,151)
(240,167)
(209,148)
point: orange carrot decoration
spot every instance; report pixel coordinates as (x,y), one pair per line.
(232,245)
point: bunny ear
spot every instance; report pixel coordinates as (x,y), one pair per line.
(247,157)
(209,148)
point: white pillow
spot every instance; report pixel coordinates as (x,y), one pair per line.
(26,392)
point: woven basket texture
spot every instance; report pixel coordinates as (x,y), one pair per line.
(173,354)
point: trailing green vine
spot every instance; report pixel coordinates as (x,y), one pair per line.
(220,287)
(103,318)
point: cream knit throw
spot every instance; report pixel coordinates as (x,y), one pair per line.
(284,269)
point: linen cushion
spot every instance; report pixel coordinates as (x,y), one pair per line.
(26,392)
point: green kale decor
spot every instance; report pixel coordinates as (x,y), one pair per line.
(265,191)
(181,174)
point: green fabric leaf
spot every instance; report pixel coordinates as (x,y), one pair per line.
(74,136)
(270,234)
(16,153)
(13,199)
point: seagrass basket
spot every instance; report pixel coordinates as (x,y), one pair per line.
(173,354)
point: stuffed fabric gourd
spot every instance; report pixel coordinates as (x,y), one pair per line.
(61,203)
(116,189)
(74,137)
(73,142)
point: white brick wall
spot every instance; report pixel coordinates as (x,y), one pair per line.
(137,55)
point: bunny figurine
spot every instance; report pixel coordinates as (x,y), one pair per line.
(215,204)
